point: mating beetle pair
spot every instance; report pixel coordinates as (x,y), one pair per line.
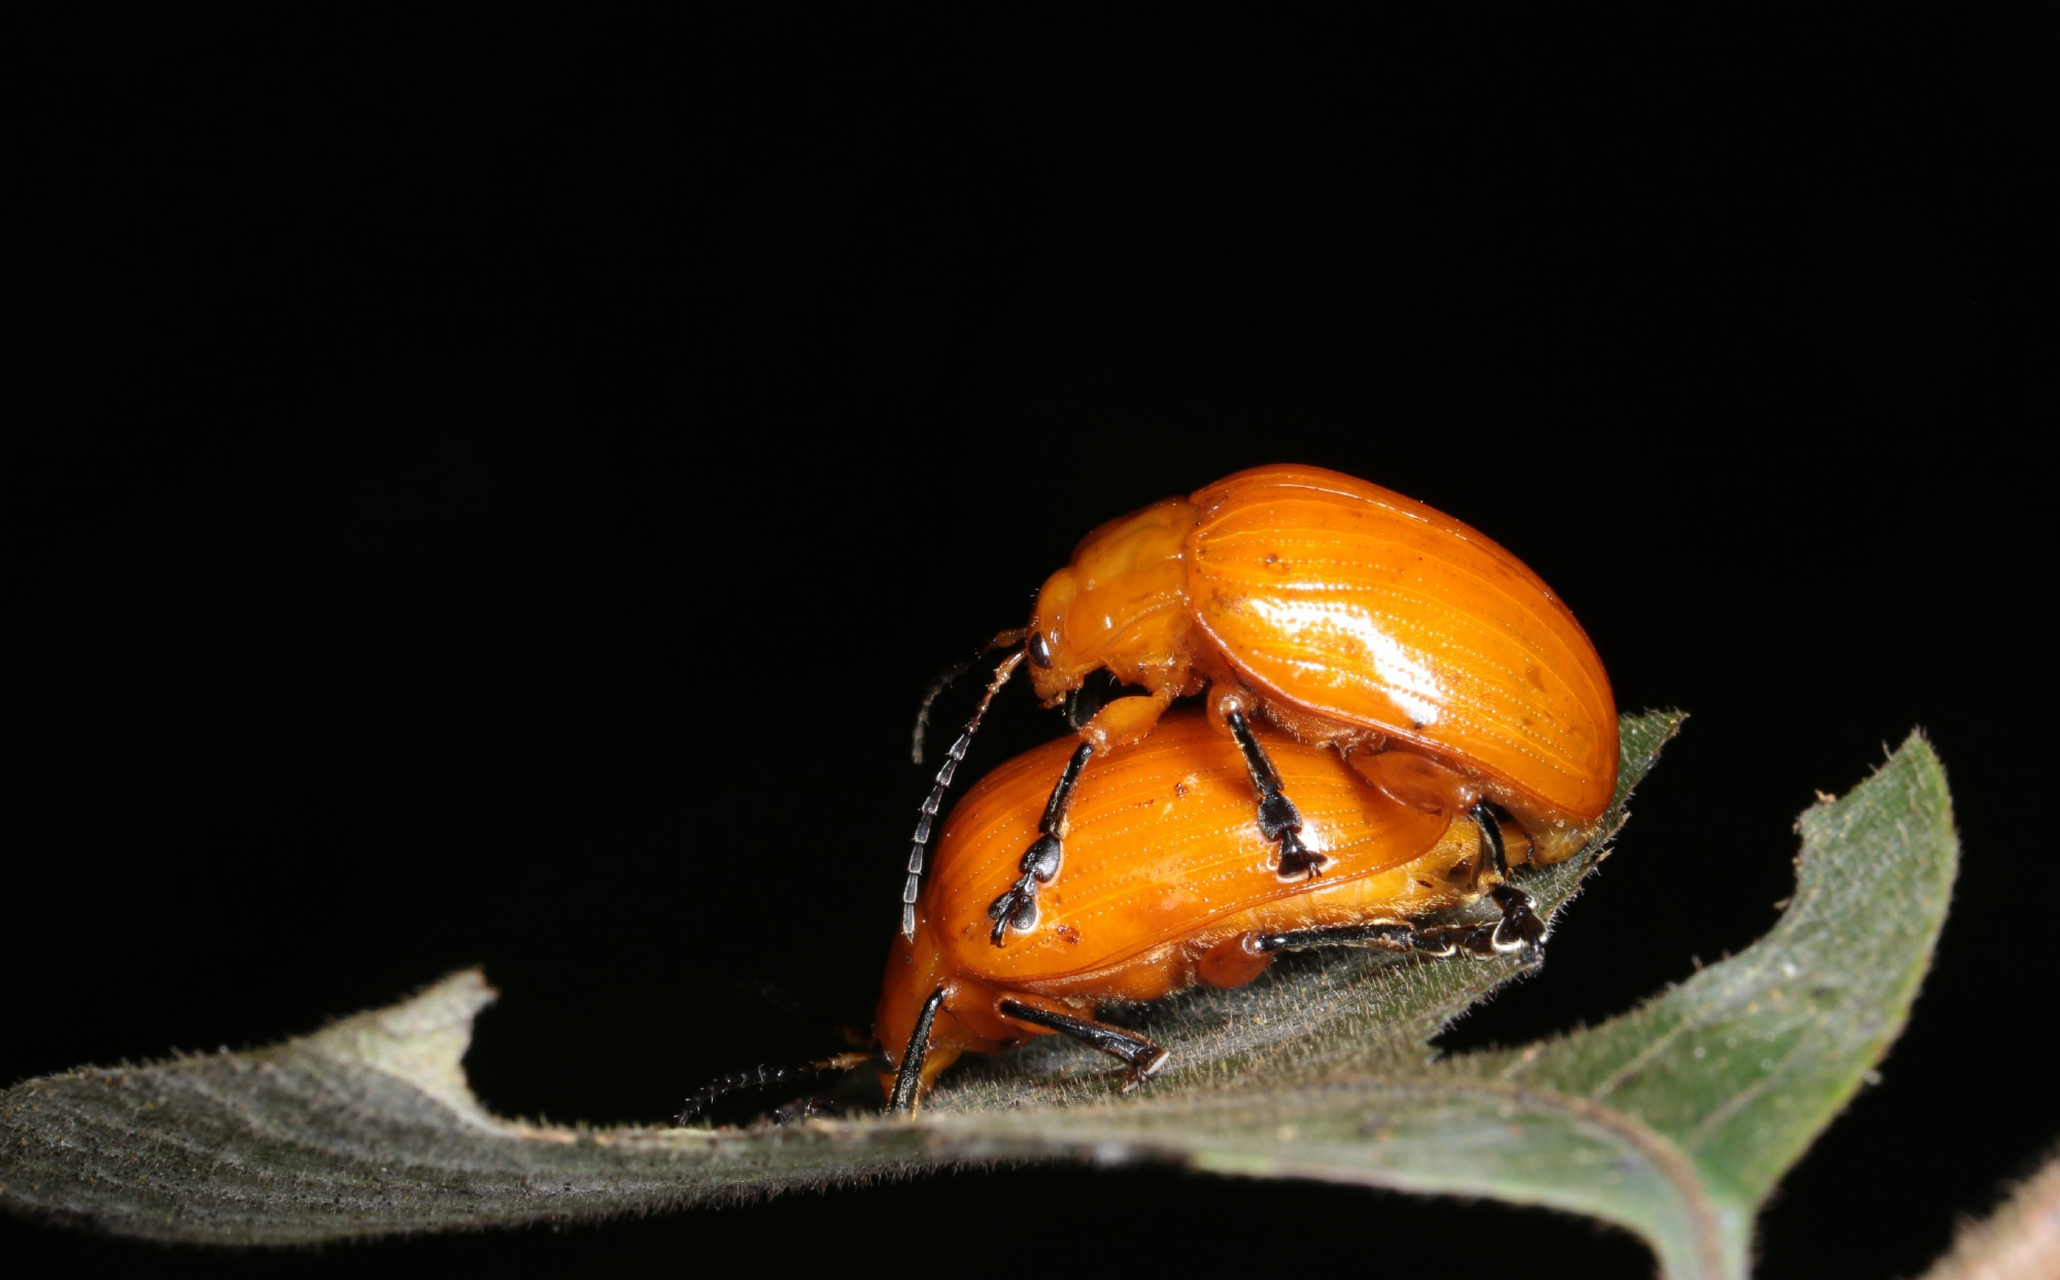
(1360,651)
(1441,668)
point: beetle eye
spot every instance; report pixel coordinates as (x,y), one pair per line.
(1040,650)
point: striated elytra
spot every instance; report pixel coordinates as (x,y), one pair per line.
(1169,883)
(1444,671)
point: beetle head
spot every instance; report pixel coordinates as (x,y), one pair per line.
(1056,665)
(1121,605)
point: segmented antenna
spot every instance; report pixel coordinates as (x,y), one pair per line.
(949,676)
(698,1100)
(935,800)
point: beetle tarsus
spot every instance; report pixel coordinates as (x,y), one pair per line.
(1279,820)
(1041,860)
(1520,931)
(1142,1072)
(1296,858)
(1140,1056)
(1017,908)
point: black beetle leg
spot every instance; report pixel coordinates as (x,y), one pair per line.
(1017,908)
(1279,820)
(1476,940)
(1397,936)
(1520,929)
(1139,1054)
(908,1080)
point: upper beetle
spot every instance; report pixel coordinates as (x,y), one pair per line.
(1443,670)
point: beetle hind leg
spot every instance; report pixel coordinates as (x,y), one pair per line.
(1519,931)
(1478,941)
(1141,1056)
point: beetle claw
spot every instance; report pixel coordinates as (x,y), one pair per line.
(1142,1072)
(1279,820)
(1016,909)
(1296,858)
(1520,929)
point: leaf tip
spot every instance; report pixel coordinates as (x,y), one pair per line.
(421,1040)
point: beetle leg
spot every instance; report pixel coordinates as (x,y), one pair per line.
(908,1081)
(1386,937)
(1520,929)
(1142,1056)
(1476,940)
(1279,820)
(1017,908)
(802,1109)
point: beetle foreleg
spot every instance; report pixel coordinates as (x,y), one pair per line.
(1279,820)
(908,1080)
(1142,1056)
(1017,909)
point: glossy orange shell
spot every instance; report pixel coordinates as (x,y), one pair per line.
(1163,860)
(1341,598)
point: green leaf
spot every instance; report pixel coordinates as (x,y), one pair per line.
(1674,1120)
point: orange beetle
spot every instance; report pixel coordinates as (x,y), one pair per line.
(1445,672)
(1169,884)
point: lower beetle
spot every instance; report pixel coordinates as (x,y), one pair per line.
(1169,884)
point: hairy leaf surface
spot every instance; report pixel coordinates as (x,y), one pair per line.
(1674,1120)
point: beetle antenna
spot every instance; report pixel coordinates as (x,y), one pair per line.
(771,995)
(698,1100)
(935,800)
(949,676)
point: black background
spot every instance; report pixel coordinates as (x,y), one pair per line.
(500,476)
